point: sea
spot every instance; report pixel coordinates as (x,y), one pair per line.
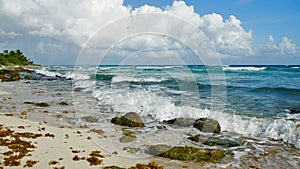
(256,106)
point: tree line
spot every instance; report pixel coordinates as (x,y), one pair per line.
(11,58)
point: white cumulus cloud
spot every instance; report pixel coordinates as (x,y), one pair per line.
(283,48)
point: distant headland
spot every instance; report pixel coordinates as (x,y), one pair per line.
(15,58)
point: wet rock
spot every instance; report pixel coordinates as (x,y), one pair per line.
(294,111)
(11,74)
(127,139)
(207,125)
(78,89)
(42,104)
(131,150)
(28,76)
(214,141)
(63,103)
(90,119)
(130,119)
(181,122)
(158,149)
(187,153)
(113,167)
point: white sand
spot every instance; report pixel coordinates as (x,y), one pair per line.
(4,92)
(52,149)
(61,146)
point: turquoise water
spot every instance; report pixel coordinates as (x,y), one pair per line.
(259,101)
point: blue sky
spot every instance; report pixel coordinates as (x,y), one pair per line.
(241,31)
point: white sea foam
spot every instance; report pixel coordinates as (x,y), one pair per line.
(161,108)
(45,72)
(117,79)
(76,76)
(244,68)
(68,75)
(156,67)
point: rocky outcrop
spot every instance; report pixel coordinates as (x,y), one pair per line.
(12,74)
(187,153)
(130,119)
(90,119)
(214,141)
(203,124)
(181,122)
(207,125)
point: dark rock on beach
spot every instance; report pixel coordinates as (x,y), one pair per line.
(63,103)
(12,74)
(187,153)
(214,141)
(90,119)
(113,167)
(294,111)
(39,104)
(181,122)
(127,139)
(207,125)
(130,119)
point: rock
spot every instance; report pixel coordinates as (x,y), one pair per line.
(214,141)
(90,119)
(127,139)
(207,125)
(158,149)
(182,122)
(63,103)
(78,89)
(294,111)
(28,76)
(187,153)
(130,119)
(42,104)
(131,150)
(12,74)
(113,167)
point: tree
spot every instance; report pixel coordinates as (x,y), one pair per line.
(14,58)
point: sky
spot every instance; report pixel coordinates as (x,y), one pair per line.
(68,32)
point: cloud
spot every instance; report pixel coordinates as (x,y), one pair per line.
(74,22)
(283,48)
(10,35)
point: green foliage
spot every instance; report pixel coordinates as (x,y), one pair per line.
(10,58)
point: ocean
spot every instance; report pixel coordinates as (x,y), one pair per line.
(257,106)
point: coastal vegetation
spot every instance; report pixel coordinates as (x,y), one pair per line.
(13,64)
(14,58)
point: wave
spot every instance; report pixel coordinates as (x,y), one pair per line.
(244,68)
(118,79)
(158,107)
(156,67)
(292,91)
(279,129)
(103,77)
(45,72)
(76,76)
(68,75)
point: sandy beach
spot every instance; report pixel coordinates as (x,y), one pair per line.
(59,147)
(48,142)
